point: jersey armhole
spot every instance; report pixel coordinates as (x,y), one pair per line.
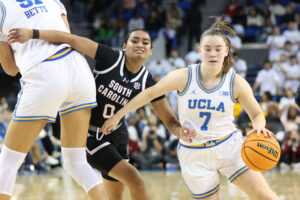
(234,100)
(187,83)
(3,12)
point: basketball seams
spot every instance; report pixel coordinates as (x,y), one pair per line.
(262,154)
(248,160)
(246,141)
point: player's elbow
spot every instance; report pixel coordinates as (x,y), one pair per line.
(11,71)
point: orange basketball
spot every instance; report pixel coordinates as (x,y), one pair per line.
(260,153)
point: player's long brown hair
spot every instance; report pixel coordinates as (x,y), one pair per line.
(218,29)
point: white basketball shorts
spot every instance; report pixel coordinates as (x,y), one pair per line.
(201,164)
(63,83)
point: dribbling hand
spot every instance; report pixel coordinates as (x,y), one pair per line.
(20,35)
(266,132)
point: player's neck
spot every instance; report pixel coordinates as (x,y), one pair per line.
(133,66)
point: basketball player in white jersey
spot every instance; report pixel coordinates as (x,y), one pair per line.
(206,96)
(54,79)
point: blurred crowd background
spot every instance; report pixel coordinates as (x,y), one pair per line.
(266,53)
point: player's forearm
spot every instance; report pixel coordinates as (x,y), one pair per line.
(56,36)
(137,102)
(258,121)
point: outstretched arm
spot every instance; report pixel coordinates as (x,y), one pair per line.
(173,81)
(7,59)
(81,44)
(165,113)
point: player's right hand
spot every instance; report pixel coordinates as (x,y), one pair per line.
(20,35)
(110,124)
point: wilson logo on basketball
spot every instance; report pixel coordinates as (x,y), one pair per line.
(269,149)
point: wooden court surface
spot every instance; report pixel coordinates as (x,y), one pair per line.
(161,185)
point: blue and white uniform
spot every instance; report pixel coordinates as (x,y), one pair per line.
(217,144)
(54,77)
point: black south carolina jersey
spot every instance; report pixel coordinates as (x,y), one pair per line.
(115,85)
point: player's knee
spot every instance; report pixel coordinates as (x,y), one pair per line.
(76,165)
(10,162)
(267,196)
(136,180)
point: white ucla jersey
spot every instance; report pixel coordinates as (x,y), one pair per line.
(208,111)
(33,14)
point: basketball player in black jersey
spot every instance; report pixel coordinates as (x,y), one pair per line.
(119,76)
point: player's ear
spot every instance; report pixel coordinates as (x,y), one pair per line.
(124,47)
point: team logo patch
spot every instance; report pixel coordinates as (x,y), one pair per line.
(223,93)
(137,85)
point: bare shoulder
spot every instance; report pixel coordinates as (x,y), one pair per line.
(241,86)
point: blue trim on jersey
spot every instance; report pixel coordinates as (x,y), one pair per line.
(188,82)
(2,7)
(206,194)
(60,54)
(78,107)
(209,144)
(238,173)
(213,89)
(231,87)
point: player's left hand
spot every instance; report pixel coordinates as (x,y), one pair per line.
(110,124)
(20,35)
(266,132)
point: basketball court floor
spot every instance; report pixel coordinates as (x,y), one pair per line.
(162,185)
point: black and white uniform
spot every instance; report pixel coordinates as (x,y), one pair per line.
(116,86)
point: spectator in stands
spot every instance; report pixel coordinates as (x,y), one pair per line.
(153,25)
(275,42)
(292,117)
(254,19)
(273,122)
(136,22)
(265,101)
(159,67)
(171,155)
(170,37)
(120,31)
(292,72)
(288,16)
(232,9)
(193,24)
(240,65)
(285,102)
(161,15)
(276,8)
(279,66)
(193,56)
(78,11)
(176,61)
(267,80)
(236,42)
(152,146)
(290,152)
(240,18)
(292,34)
